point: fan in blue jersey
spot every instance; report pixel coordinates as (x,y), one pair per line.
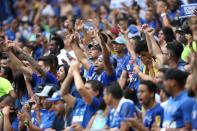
(82,108)
(102,70)
(121,56)
(178,109)
(40,72)
(152,112)
(120,108)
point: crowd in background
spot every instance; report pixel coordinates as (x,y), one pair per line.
(89,65)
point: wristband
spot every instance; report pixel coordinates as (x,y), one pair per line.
(163,14)
(26,122)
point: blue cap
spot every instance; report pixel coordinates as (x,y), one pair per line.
(133,31)
(55,97)
(120,40)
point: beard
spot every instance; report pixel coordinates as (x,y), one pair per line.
(191,93)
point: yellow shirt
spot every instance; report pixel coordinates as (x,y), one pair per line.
(187,50)
(5,86)
(155,70)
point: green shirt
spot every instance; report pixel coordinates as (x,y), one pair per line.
(187,50)
(5,86)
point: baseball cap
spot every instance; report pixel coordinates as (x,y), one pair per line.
(46,91)
(119,40)
(115,31)
(133,31)
(55,97)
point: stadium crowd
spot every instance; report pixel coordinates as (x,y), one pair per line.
(95,65)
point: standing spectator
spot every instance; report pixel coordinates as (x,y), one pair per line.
(91,92)
(120,108)
(177,111)
(121,56)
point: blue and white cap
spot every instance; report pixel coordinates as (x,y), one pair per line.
(55,97)
(133,31)
(45,91)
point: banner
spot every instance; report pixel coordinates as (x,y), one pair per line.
(187,10)
(115,4)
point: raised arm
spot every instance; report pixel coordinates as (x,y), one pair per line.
(106,55)
(34,65)
(123,79)
(80,84)
(18,64)
(29,87)
(79,53)
(149,44)
(70,100)
(157,52)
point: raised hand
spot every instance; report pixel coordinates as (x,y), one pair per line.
(75,65)
(147,29)
(68,25)
(73,38)
(124,32)
(79,24)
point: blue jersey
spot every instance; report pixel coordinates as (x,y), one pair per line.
(194,117)
(125,109)
(153,115)
(15,123)
(83,112)
(104,78)
(121,61)
(152,24)
(38,53)
(133,79)
(178,111)
(21,101)
(47,118)
(49,79)
(181,65)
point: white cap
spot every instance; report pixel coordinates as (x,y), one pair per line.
(45,91)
